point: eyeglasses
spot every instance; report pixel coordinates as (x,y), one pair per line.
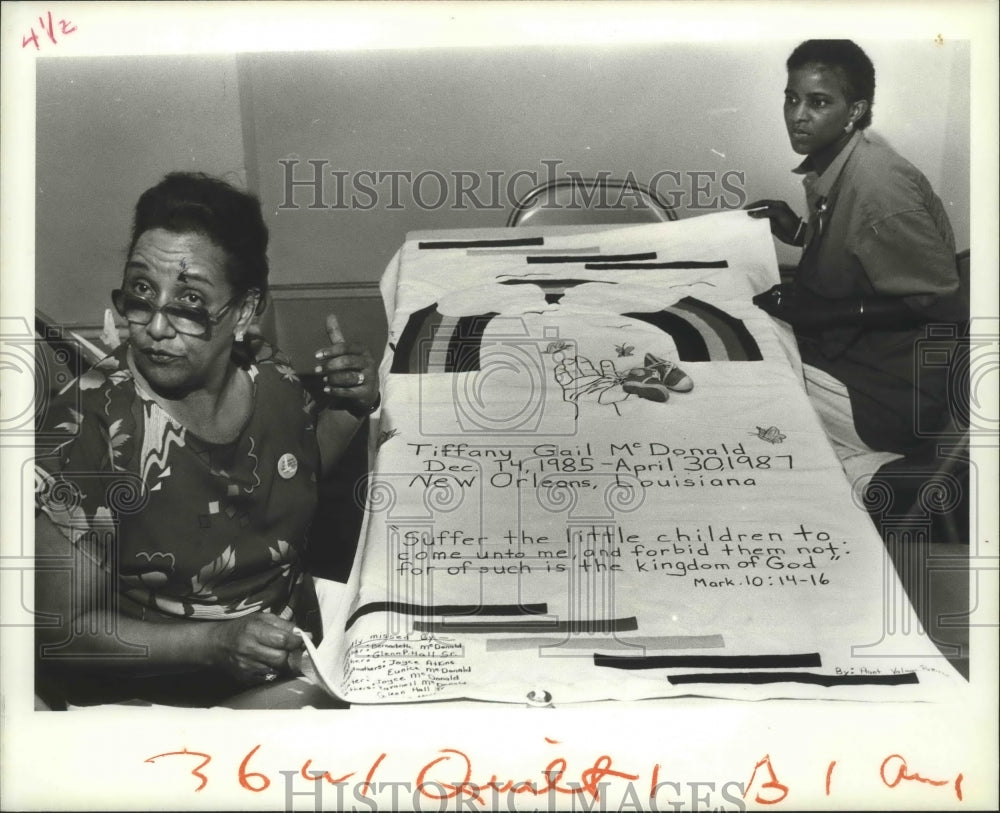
(189,321)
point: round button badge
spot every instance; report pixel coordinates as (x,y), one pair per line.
(287,466)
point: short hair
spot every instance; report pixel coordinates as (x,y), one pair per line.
(854,68)
(229,217)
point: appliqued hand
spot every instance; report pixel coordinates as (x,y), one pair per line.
(579,379)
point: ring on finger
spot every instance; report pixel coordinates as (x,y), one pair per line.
(270,676)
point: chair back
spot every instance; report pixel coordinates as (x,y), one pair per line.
(59,360)
(588,202)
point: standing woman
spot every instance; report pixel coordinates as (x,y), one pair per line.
(878,264)
(177,479)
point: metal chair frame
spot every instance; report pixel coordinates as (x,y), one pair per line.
(653,207)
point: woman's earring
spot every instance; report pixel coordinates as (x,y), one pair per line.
(239,335)
(849,126)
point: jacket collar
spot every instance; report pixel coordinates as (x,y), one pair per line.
(821,185)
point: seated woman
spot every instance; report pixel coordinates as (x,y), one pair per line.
(878,265)
(173,518)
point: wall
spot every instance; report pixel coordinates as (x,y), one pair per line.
(108,128)
(954,186)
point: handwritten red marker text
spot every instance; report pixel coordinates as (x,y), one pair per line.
(49,28)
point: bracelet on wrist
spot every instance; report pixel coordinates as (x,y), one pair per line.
(798,231)
(364,412)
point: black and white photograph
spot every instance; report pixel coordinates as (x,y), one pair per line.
(499,406)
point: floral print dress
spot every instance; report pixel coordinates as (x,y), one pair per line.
(189,529)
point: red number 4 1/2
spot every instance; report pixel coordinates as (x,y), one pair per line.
(48,26)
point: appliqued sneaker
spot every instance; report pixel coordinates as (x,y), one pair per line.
(672,376)
(646,384)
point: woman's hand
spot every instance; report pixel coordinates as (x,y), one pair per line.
(790,303)
(348,371)
(776,300)
(798,307)
(351,381)
(785,224)
(254,648)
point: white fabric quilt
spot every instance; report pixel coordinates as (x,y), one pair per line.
(555,515)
